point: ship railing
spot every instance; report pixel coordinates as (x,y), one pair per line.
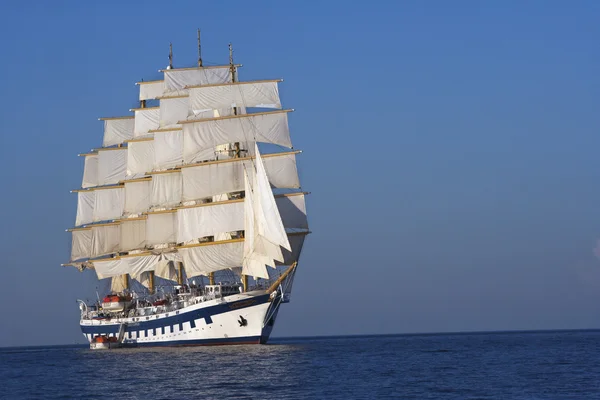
(144,307)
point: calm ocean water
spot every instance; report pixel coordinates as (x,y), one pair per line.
(542,365)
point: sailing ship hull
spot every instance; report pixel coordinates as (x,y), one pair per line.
(237,319)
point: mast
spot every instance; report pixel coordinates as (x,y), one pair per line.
(236,145)
(199,50)
(180,273)
(170,56)
(151,282)
(142,102)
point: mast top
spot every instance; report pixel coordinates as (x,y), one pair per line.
(199,50)
(170,56)
(231,64)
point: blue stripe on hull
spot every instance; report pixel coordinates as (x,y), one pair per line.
(178,319)
(207,342)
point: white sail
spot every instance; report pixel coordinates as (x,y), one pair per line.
(151,90)
(268,220)
(146,119)
(125,265)
(202,114)
(105,239)
(137,196)
(166,189)
(293,211)
(108,203)
(140,158)
(201,260)
(117,130)
(112,166)
(254,263)
(161,228)
(90,171)
(290,257)
(271,127)
(85,207)
(143,278)
(198,259)
(166,269)
(208,180)
(281,170)
(205,180)
(209,220)
(173,110)
(133,234)
(265,234)
(110,268)
(81,244)
(117,284)
(239,94)
(168,149)
(177,80)
(137,265)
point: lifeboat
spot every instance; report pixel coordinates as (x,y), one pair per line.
(104,342)
(116,303)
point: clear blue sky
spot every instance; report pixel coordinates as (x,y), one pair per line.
(452,152)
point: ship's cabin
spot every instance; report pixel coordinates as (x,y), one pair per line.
(222,289)
(210,291)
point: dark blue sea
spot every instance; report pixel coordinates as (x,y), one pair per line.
(519,365)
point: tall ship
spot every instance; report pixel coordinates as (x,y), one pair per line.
(192,209)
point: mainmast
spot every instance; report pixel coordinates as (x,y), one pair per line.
(236,145)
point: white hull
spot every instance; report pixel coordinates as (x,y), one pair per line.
(247,318)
